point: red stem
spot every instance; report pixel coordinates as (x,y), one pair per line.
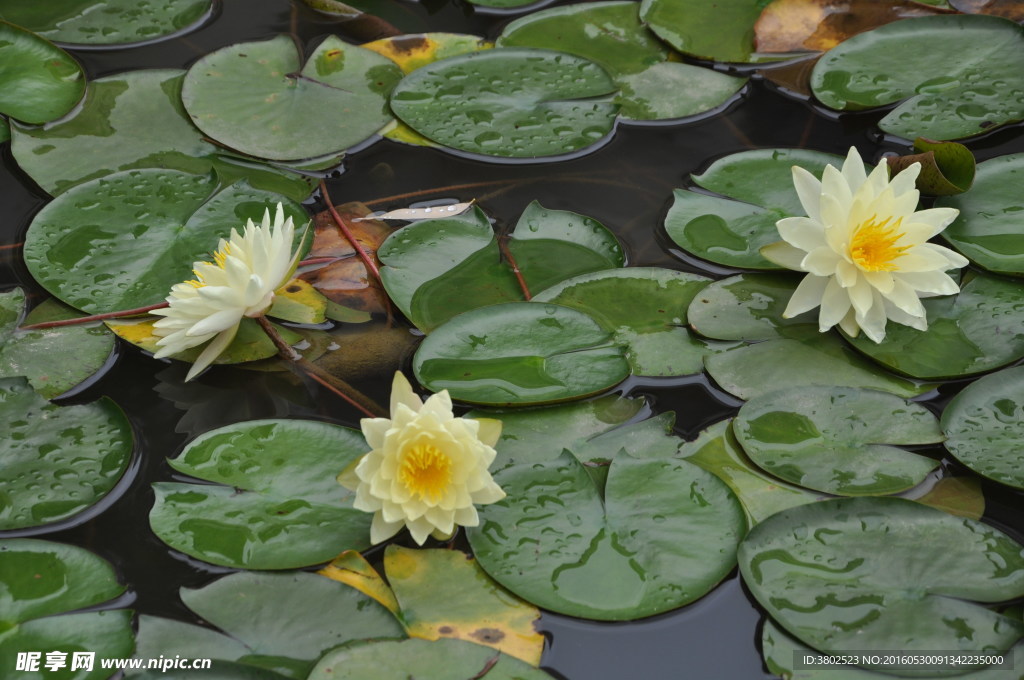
(96,317)
(370,265)
(507,254)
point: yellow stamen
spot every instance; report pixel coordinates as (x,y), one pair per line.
(426,472)
(221,255)
(874,245)
(195,284)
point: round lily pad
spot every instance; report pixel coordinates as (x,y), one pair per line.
(747,307)
(121,241)
(978,329)
(259,99)
(983,426)
(39,82)
(871,574)
(511,102)
(988,228)
(40,580)
(520,353)
(105,22)
(662,534)
(722,31)
(53,359)
(919,63)
(838,439)
(443,659)
(645,309)
(276,503)
(284,622)
(58,460)
(756,190)
(650,87)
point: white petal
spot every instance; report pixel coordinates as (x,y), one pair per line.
(905,298)
(211,352)
(381,530)
(821,261)
(802,232)
(784,255)
(807,295)
(834,185)
(217,322)
(905,181)
(881,280)
(808,190)
(935,282)
(861,296)
(401,393)
(853,170)
(835,303)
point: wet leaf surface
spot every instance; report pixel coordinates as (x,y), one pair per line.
(838,440)
(275,504)
(39,82)
(58,460)
(983,426)
(845,574)
(520,353)
(720,31)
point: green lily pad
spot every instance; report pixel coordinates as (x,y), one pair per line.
(53,359)
(988,228)
(135,120)
(645,309)
(838,439)
(279,622)
(661,535)
(121,241)
(520,353)
(748,307)
(756,190)
(610,34)
(443,659)
(857,569)
(510,102)
(41,579)
(722,31)
(258,98)
(436,269)
(58,460)
(983,426)
(978,329)
(919,63)
(717,451)
(276,504)
(39,82)
(105,22)
(5,130)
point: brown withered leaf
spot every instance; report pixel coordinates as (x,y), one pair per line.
(801,25)
(346,281)
(1009,9)
(367,353)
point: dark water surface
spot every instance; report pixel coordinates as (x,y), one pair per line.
(627,185)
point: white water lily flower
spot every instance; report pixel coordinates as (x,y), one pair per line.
(865,248)
(427,468)
(240,282)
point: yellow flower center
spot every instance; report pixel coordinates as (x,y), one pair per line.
(426,471)
(874,245)
(219,258)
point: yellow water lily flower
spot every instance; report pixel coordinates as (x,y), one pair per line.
(246,270)
(864,246)
(427,468)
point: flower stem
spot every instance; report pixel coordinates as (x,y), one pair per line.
(507,254)
(369,263)
(333,383)
(95,317)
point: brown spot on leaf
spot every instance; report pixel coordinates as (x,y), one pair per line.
(409,44)
(488,635)
(293,288)
(445,630)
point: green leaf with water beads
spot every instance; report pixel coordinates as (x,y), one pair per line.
(611,35)
(279,622)
(39,82)
(53,359)
(645,309)
(717,451)
(919,63)
(520,353)
(136,120)
(983,426)
(58,460)
(792,353)
(436,269)
(756,190)
(856,569)
(509,102)
(988,229)
(275,504)
(661,535)
(838,439)
(121,241)
(258,98)
(430,660)
(40,580)
(978,329)
(105,22)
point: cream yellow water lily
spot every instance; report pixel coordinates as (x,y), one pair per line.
(427,468)
(246,270)
(864,246)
